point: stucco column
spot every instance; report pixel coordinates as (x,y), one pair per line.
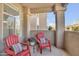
(28,26)
(60,25)
(26,22)
(42,21)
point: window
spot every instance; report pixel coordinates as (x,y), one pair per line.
(9,20)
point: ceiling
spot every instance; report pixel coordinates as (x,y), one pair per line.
(37,5)
(10,10)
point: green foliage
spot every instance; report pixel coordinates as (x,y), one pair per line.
(68,28)
(76,28)
(50,28)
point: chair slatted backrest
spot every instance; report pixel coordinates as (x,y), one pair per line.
(11,40)
(40,34)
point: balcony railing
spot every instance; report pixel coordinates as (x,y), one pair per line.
(48,34)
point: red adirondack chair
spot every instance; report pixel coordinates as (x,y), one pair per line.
(11,40)
(41,46)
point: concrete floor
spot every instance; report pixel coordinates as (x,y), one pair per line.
(55,52)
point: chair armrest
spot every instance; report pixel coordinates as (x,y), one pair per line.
(25,44)
(9,51)
(49,41)
(38,42)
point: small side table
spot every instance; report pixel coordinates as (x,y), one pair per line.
(26,43)
(33,46)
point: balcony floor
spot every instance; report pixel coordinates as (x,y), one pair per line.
(55,52)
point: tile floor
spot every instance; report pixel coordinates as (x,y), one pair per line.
(46,52)
(55,52)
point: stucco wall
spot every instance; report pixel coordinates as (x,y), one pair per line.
(71,43)
(48,34)
(43,21)
(0,21)
(33,22)
(1,40)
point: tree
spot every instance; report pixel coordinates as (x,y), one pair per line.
(50,28)
(76,28)
(67,28)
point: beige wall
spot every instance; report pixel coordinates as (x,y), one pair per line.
(33,20)
(1,40)
(0,12)
(48,34)
(1,20)
(71,42)
(43,21)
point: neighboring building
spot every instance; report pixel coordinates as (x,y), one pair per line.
(74,27)
(53,27)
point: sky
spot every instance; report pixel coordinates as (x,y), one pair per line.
(71,15)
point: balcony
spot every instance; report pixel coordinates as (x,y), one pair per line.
(63,42)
